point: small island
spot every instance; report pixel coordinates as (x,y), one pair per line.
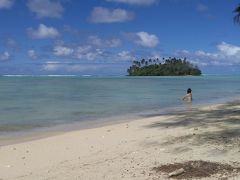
(166,67)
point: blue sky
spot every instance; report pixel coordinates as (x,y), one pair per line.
(103,37)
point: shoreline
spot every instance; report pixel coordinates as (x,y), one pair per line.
(10,138)
(129,150)
(45,132)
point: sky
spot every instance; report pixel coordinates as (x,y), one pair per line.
(103,37)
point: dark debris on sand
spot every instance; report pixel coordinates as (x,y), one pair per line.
(198,169)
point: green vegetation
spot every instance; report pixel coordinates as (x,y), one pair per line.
(237,14)
(169,67)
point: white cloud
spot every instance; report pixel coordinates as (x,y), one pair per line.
(6,4)
(81,68)
(46,8)
(105,15)
(146,40)
(51,66)
(95,40)
(82,52)
(199,57)
(70,67)
(227,54)
(90,52)
(32,54)
(4,56)
(229,49)
(43,32)
(87,53)
(202,8)
(155,55)
(135,2)
(125,55)
(62,51)
(10,43)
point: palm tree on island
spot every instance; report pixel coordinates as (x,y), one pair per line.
(236,18)
(168,67)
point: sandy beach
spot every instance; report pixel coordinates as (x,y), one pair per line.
(131,150)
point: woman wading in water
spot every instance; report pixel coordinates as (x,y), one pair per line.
(188,96)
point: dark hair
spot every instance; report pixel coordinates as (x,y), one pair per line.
(189,90)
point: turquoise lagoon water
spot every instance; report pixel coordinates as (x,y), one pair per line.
(30,103)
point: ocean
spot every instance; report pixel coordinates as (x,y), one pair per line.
(32,103)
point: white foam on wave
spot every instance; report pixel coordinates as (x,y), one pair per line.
(50,75)
(56,75)
(15,75)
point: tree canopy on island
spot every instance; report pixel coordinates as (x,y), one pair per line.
(237,14)
(168,67)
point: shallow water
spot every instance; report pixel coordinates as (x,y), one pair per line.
(29,103)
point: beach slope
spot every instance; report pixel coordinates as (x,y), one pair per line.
(130,150)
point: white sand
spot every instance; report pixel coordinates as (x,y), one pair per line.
(128,150)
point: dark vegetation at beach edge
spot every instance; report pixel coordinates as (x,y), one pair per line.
(166,67)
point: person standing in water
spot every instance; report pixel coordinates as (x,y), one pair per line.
(188,96)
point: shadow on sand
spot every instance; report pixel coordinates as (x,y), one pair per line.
(218,126)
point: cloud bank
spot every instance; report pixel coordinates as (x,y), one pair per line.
(105,15)
(101,43)
(4,56)
(46,8)
(32,54)
(227,54)
(43,32)
(135,2)
(6,4)
(202,8)
(146,40)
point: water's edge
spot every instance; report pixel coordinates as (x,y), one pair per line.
(41,133)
